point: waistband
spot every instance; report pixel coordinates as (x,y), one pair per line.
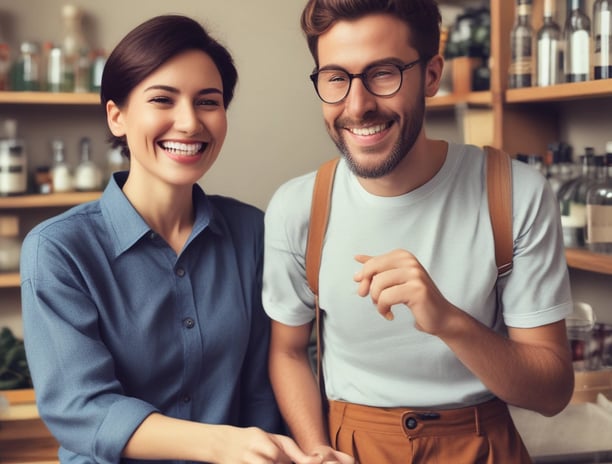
(422,422)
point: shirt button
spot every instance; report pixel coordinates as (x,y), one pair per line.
(152,235)
(186,399)
(180,272)
(189,323)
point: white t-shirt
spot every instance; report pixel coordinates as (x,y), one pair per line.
(446,225)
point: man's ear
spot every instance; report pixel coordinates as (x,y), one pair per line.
(433,74)
(114,119)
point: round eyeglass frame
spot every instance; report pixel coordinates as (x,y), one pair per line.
(314,77)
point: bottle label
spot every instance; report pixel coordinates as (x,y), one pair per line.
(599,224)
(579,53)
(573,214)
(548,71)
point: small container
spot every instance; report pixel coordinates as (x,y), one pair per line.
(87,175)
(43,179)
(60,171)
(13,162)
(26,71)
(10,244)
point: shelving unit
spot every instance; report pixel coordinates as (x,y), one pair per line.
(49,98)
(530,112)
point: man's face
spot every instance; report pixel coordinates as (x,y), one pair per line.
(373,133)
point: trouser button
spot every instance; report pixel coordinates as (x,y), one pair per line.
(411,423)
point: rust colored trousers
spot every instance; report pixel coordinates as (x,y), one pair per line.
(484,433)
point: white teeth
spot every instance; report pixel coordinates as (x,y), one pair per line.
(368,130)
(182,148)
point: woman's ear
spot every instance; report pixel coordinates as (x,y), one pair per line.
(114,119)
(433,74)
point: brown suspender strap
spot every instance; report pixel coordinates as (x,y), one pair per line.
(499,193)
(319,214)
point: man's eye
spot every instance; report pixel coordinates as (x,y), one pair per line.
(334,77)
(380,73)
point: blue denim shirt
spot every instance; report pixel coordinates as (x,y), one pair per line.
(118,326)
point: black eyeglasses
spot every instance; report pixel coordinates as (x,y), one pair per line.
(382,80)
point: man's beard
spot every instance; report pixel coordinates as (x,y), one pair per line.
(398,152)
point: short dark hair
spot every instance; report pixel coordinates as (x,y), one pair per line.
(422,17)
(147,47)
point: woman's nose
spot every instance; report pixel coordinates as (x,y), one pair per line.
(187,120)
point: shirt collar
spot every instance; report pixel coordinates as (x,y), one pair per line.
(128,227)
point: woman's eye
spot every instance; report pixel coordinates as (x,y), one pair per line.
(208,102)
(161,99)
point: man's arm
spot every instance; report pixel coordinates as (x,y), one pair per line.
(295,385)
(531,368)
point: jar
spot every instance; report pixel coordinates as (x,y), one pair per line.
(26,71)
(10,244)
(13,167)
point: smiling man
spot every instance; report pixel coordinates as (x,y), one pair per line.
(424,345)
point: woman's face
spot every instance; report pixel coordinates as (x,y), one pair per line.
(174,120)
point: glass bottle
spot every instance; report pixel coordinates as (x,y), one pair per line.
(549,53)
(577,35)
(26,69)
(598,233)
(572,201)
(87,175)
(13,161)
(521,47)
(60,170)
(74,48)
(602,39)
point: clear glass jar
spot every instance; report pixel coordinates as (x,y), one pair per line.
(598,233)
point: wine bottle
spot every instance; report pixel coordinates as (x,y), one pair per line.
(549,52)
(521,47)
(577,43)
(602,39)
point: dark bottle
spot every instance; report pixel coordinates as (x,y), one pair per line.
(602,39)
(577,36)
(521,47)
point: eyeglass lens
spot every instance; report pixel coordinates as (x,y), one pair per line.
(381,80)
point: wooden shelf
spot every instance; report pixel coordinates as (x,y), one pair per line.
(50,98)
(561,92)
(588,261)
(47,201)
(442,102)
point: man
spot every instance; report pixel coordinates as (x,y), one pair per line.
(424,345)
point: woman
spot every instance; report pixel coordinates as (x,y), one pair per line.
(143,322)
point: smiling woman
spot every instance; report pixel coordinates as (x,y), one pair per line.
(134,297)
